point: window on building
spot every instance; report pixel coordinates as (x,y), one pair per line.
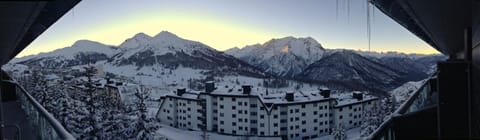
(291,110)
(221,106)
(304,130)
(221,122)
(275,133)
(303,113)
(303,106)
(239,103)
(275,116)
(341,108)
(221,114)
(315,112)
(234,132)
(315,120)
(340,117)
(262,124)
(234,107)
(297,110)
(233,99)
(275,124)
(262,116)
(234,124)
(234,115)
(221,98)
(304,122)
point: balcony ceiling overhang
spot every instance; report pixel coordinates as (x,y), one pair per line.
(21,22)
(440,23)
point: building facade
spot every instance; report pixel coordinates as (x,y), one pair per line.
(246,113)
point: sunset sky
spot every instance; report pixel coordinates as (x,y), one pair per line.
(224,24)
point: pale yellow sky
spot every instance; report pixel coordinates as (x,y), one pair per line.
(223,26)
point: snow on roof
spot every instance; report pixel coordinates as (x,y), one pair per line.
(347,98)
(51,76)
(278,97)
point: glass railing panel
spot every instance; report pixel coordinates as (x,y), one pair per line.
(45,126)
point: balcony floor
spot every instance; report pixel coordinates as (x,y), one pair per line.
(13,114)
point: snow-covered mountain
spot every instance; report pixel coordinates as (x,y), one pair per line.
(292,58)
(163,51)
(285,57)
(170,51)
(353,71)
(80,53)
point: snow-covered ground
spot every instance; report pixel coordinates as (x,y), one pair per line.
(179,134)
(352,134)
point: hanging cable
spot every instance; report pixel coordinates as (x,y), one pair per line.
(348,10)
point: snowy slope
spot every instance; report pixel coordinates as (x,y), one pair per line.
(163,43)
(284,57)
(403,92)
(81,52)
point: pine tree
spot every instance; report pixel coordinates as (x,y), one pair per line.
(339,133)
(91,104)
(144,126)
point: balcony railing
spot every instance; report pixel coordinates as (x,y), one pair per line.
(45,126)
(422,104)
